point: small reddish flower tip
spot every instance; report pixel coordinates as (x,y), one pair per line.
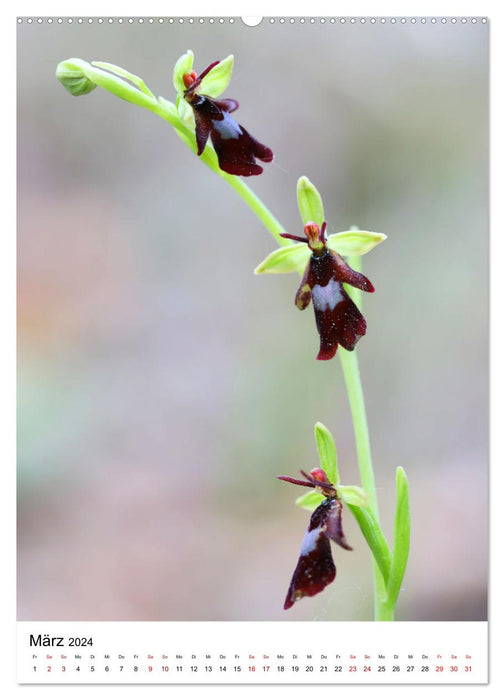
(189,78)
(319,474)
(311,231)
(315,236)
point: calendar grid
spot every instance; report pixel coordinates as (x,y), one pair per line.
(252,653)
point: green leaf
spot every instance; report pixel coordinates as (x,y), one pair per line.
(183,65)
(290,258)
(327,452)
(310,500)
(402,529)
(72,76)
(125,74)
(374,537)
(353,495)
(354,242)
(310,202)
(217,80)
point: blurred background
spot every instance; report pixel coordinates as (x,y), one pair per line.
(163,386)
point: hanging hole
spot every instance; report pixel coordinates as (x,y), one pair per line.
(251,21)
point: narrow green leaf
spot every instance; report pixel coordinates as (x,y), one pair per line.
(310,500)
(217,80)
(290,258)
(125,74)
(353,496)
(327,452)
(310,202)
(402,529)
(354,242)
(182,66)
(375,538)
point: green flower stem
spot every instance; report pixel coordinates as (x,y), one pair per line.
(209,158)
(350,366)
(351,374)
(260,210)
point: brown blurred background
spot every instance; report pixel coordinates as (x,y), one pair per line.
(163,386)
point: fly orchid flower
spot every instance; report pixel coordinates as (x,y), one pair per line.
(236,149)
(315,568)
(338,319)
(320,259)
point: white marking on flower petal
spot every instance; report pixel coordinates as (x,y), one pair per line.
(228,128)
(310,541)
(327,297)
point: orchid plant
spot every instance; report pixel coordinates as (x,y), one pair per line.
(331,278)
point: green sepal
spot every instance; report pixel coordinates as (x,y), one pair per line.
(402,529)
(183,65)
(135,79)
(311,207)
(327,453)
(354,242)
(73,78)
(185,112)
(217,80)
(289,258)
(353,496)
(310,500)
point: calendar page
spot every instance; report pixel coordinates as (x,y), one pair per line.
(252,349)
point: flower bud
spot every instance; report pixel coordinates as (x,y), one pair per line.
(73,78)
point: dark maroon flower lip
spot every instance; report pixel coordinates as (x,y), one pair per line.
(338,320)
(236,149)
(315,568)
